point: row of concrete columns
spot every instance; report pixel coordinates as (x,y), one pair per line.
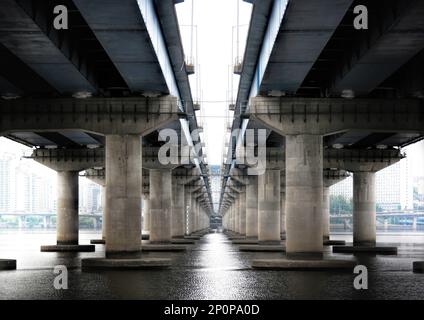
(170,210)
(300,211)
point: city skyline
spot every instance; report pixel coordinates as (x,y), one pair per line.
(28,186)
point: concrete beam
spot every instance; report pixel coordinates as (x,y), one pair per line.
(97,176)
(361,160)
(70,159)
(295,116)
(101,115)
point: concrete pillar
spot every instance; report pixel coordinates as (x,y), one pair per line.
(252,208)
(192,213)
(178,209)
(187,220)
(123,194)
(146,212)
(160,205)
(364,210)
(196,216)
(104,217)
(269,207)
(242,212)
(326,213)
(304,185)
(235,209)
(237,215)
(283,213)
(67,223)
(95,224)
(230,218)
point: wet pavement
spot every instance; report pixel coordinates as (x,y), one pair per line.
(213,268)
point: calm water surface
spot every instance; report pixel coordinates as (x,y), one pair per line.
(211,269)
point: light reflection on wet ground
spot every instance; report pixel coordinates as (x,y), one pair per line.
(211,269)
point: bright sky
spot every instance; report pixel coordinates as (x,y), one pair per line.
(216,22)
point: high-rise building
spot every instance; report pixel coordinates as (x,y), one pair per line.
(419,185)
(90,196)
(25,186)
(6,182)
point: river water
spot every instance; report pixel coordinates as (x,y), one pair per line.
(211,269)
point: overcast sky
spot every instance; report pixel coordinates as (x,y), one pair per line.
(215,21)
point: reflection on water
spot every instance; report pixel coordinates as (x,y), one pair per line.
(211,269)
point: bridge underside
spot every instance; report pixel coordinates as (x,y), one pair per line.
(332,99)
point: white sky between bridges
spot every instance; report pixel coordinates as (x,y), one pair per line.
(215,21)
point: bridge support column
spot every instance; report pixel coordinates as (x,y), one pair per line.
(123,196)
(364,210)
(252,208)
(304,183)
(160,205)
(67,221)
(414,224)
(242,212)
(237,214)
(67,208)
(233,216)
(326,213)
(196,216)
(187,209)
(283,213)
(146,213)
(269,207)
(192,213)
(105,216)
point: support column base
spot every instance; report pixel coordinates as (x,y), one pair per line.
(123,264)
(182,241)
(7,264)
(68,248)
(262,248)
(313,256)
(302,265)
(364,243)
(236,238)
(245,241)
(98,241)
(167,247)
(365,249)
(269,242)
(334,242)
(192,237)
(418,266)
